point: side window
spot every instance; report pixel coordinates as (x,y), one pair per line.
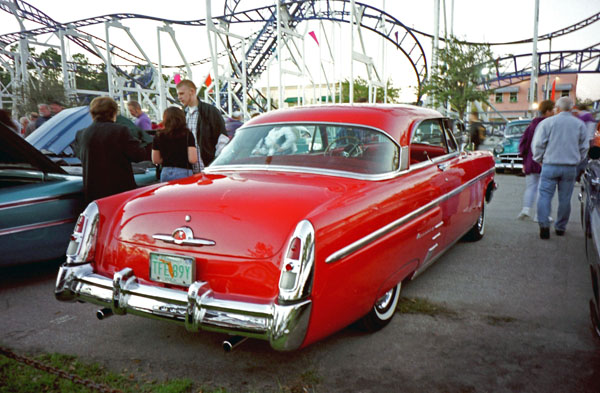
(428,141)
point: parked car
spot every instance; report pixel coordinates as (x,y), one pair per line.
(41,195)
(506,153)
(590,219)
(310,219)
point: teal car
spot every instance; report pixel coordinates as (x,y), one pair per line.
(506,153)
(41,188)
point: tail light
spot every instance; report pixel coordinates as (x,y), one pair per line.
(83,240)
(296,274)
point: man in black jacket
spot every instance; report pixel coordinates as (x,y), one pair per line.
(106,151)
(205,122)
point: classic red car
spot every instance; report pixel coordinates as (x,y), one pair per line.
(309,220)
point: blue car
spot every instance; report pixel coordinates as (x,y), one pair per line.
(506,153)
(41,188)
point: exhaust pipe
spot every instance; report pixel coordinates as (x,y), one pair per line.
(232,342)
(104,313)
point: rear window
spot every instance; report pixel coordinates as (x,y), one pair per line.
(324,146)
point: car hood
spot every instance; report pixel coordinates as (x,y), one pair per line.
(56,135)
(17,153)
(247,215)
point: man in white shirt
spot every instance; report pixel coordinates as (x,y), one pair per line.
(560,143)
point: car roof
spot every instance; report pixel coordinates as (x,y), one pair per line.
(393,119)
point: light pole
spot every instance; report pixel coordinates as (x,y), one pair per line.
(534,60)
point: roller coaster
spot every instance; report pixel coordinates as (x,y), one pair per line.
(238,62)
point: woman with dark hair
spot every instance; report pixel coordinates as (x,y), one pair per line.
(106,150)
(174,146)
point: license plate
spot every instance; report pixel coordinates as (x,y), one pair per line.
(172,269)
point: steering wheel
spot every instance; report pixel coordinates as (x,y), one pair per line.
(345,146)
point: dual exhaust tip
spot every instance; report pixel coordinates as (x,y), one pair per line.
(228,345)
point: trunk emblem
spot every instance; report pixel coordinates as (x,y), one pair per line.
(183,236)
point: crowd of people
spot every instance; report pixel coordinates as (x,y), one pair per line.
(186,141)
(554,150)
(27,124)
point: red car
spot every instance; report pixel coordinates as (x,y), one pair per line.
(310,219)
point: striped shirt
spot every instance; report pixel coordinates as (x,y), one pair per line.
(191,118)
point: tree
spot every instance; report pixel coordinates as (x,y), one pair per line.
(89,76)
(456,78)
(361,91)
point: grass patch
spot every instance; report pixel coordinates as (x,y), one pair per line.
(408,305)
(16,376)
(498,321)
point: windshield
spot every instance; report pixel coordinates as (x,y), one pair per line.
(515,129)
(323,146)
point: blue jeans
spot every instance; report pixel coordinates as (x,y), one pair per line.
(174,173)
(552,176)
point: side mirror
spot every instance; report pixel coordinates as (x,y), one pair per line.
(594,152)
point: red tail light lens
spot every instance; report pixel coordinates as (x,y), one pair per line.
(83,240)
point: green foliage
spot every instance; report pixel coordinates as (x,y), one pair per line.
(361,91)
(457,76)
(89,76)
(422,306)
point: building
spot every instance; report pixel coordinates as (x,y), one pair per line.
(513,101)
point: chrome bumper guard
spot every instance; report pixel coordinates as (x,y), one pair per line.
(284,326)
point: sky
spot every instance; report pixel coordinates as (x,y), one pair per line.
(474,20)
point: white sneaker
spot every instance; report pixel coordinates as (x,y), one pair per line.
(524,214)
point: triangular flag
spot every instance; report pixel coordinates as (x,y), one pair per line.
(553,90)
(177,79)
(314,36)
(208,80)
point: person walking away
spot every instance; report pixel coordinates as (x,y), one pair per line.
(205,122)
(532,169)
(559,144)
(106,151)
(174,146)
(476,130)
(45,115)
(142,121)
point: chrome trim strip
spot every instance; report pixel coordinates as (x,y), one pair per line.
(328,172)
(33,201)
(186,242)
(360,243)
(284,326)
(437,235)
(429,261)
(42,225)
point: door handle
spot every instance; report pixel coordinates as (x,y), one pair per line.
(442,167)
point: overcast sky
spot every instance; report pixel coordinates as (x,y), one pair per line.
(474,20)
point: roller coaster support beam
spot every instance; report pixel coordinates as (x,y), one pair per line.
(234,74)
(373,78)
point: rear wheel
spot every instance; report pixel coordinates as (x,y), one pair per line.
(476,233)
(383,311)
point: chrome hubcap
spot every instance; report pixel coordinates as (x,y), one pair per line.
(384,301)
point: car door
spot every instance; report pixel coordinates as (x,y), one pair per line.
(428,152)
(464,196)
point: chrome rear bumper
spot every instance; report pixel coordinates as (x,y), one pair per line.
(284,326)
